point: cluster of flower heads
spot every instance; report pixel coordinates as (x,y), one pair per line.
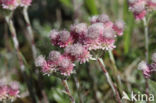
(9,91)
(148,69)
(79,42)
(13,4)
(141,7)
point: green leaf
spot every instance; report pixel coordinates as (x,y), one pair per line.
(66,3)
(91,6)
(128,17)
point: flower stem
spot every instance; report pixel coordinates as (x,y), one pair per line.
(77,83)
(19,54)
(115,91)
(146,39)
(32,43)
(146,51)
(116,73)
(30,32)
(65,84)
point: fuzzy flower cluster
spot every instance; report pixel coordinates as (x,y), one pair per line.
(13,4)
(148,69)
(9,92)
(78,43)
(141,7)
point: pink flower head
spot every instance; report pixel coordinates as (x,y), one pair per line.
(140,15)
(79,31)
(154,57)
(13,91)
(152,4)
(55,57)
(9,4)
(119,27)
(65,66)
(145,68)
(41,62)
(64,38)
(107,39)
(77,52)
(93,19)
(95,30)
(54,36)
(3,92)
(93,34)
(153,67)
(25,2)
(103,18)
(138,7)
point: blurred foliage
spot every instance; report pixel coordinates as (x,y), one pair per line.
(60,14)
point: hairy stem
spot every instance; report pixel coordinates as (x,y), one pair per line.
(146,50)
(30,32)
(32,43)
(65,84)
(115,91)
(116,73)
(18,52)
(146,39)
(77,83)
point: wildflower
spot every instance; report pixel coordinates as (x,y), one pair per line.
(65,66)
(10,4)
(54,36)
(138,7)
(95,30)
(56,63)
(93,19)
(41,62)
(10,92)
(62,38)
(119,27)
(103,18)
(107,39)
(3,92)
(25,3)
(145,68)
(78,31)
(92,36)
(77,52)
(13,91)
(152,4)
(54,56)
(154,57)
